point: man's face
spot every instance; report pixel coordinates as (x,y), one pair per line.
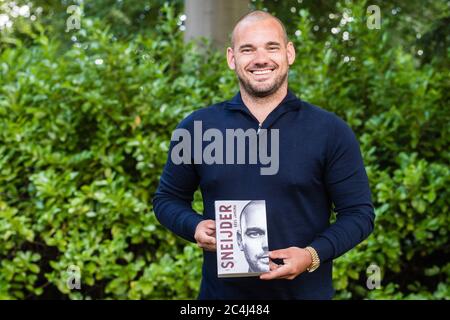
(253,240)
(260,56)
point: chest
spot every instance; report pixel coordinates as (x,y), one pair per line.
(293,159)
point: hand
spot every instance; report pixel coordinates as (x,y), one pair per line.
(295,260)
(205,235)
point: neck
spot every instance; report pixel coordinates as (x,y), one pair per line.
(260,107)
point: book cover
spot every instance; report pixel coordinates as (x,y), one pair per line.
(241,234)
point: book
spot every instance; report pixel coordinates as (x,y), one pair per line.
(241,238)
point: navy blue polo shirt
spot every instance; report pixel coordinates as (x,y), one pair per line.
(320,170)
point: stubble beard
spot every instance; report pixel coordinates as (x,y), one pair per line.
(261,92)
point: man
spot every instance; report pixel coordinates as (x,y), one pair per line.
(252,237)
(320,167)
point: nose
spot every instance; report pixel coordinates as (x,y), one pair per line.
(260,57)
(264,243)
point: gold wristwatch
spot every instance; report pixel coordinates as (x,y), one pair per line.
(315,259)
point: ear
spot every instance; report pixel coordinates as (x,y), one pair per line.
(290,53)
(239,241)
(230,58)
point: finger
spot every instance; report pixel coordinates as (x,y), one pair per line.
(210,224)
(273,265)
(206,239)
(279,254)
(280,273)
(208,247)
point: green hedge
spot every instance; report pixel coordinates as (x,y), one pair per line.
(84,133)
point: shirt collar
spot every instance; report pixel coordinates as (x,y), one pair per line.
(290,102)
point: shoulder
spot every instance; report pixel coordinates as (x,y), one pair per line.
(203,114)
(326,120)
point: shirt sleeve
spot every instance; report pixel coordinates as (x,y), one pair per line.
(348,187)
(172,202)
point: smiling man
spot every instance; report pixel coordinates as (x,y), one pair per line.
(320,169)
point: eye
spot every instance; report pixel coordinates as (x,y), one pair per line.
(246,50)
(273,48)
(255,234)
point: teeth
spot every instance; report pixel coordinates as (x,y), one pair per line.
(261,71)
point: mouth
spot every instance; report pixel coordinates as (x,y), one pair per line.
(261,72)
(264,259)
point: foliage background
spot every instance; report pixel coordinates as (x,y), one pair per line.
(86,117)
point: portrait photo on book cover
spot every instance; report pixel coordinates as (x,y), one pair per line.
(252,236)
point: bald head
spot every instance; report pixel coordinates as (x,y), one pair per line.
(256,16)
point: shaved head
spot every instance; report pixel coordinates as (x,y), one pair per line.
(255,16)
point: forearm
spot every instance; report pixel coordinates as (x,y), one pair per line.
(176,214)
(352,226)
